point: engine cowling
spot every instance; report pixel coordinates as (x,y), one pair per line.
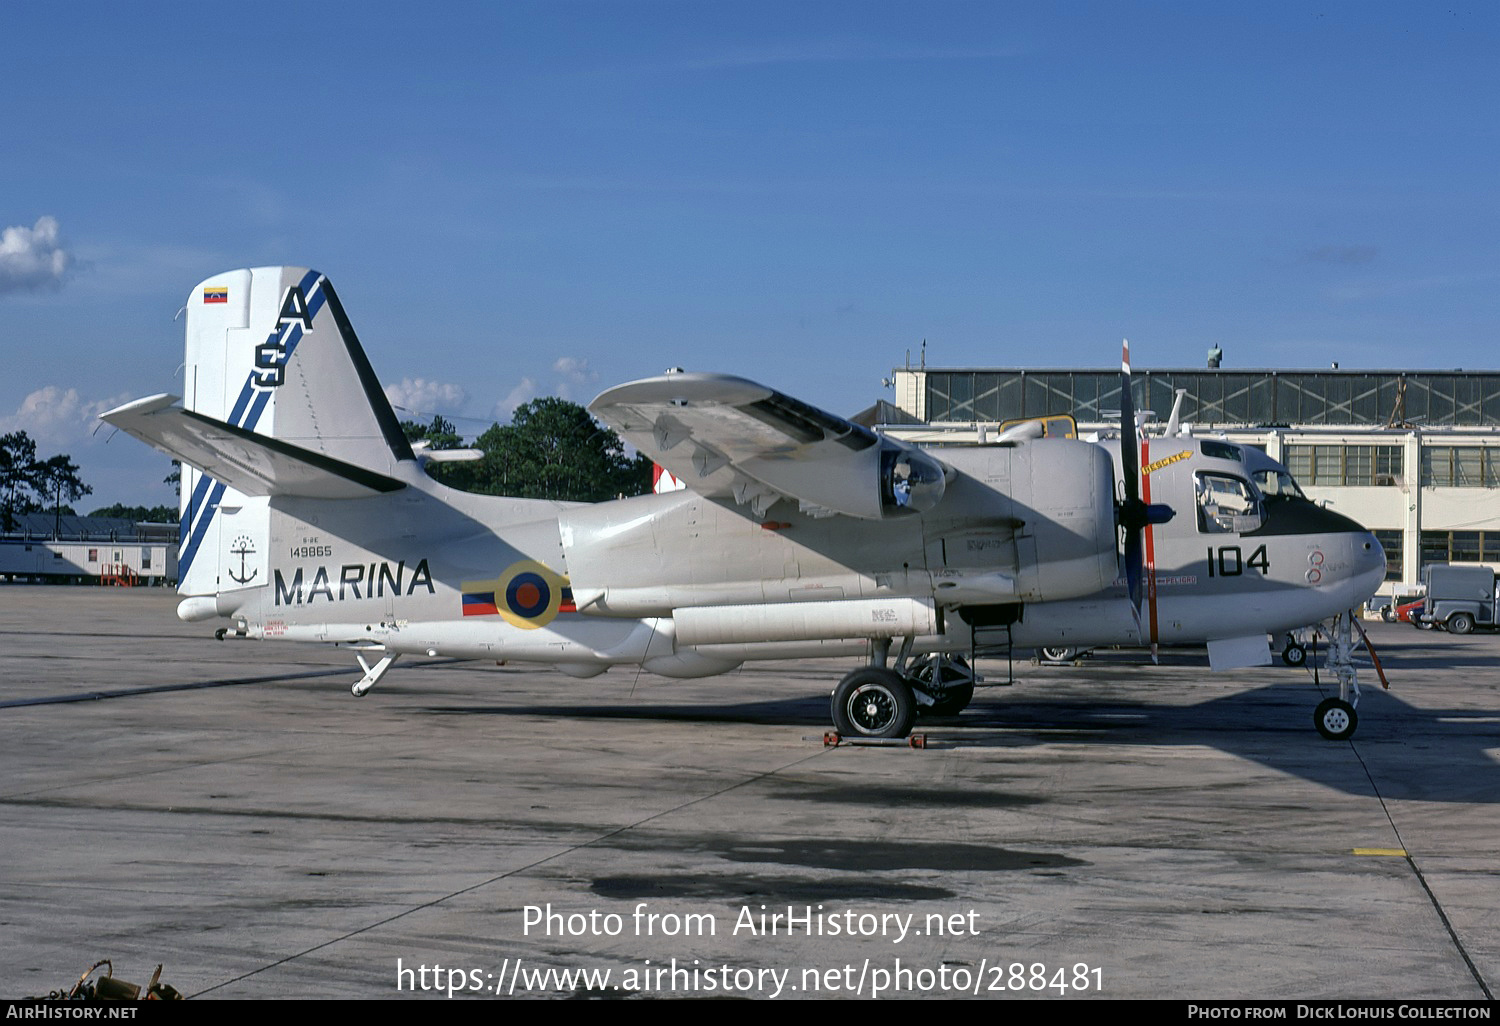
(1042,525)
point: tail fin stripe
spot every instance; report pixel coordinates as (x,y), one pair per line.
(255,399)
(247,411)
(195,506)
(185,560)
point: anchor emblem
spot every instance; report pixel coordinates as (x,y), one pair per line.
(242,547)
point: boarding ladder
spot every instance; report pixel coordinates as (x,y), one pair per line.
(992,642)
(121,575)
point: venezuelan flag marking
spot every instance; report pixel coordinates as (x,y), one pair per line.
(527,595)
(480,603)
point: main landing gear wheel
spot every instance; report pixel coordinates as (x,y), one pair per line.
(1335,719)
(953,701)
(872,702)
(1059,655)
(954,689)
(1294,654)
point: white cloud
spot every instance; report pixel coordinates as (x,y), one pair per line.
(522,393)
(419,397)
(575,375)
(32,258)
(56,417)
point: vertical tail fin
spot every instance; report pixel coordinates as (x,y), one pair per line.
(271,351)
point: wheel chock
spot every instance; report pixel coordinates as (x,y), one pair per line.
(832,739)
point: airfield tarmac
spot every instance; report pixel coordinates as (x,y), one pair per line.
(227,809)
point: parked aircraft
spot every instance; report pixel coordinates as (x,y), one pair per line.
(307,516)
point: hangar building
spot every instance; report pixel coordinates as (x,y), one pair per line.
(93,550)
(1413,455)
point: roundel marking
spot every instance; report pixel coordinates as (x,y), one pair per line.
(530,595)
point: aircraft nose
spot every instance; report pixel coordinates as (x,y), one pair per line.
(1369,562)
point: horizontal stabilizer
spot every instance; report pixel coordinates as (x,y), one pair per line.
(251,463)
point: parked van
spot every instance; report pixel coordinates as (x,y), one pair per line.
(1459,598)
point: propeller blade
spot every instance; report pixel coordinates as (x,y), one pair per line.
(1130,469)
(1130,449)
(1135,514)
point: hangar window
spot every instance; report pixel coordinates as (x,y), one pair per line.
(1460,466)
(1460,547)
(1345,465)
(1227,504)
(1392,543)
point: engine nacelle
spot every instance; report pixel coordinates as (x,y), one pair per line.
(1042,526)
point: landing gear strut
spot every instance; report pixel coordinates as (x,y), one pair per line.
(1335,718)
(372,673)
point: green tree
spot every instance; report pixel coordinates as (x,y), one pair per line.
(140,514)
(440,434)
(54,478)
(553,449)
(17,470)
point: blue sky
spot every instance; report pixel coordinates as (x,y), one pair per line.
(521,199)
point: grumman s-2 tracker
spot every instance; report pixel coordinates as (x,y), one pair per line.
(307,516)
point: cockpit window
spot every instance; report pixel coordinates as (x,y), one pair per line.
(1227,505)
(1277,484)
(1222,450)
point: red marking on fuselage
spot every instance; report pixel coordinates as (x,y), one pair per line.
(1150,540)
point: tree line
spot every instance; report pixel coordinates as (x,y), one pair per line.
(32,485)
(551,449)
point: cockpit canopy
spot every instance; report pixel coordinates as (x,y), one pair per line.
(1231,502)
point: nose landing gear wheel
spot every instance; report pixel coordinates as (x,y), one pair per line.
(872,702)
(1335,719)
(1294,655)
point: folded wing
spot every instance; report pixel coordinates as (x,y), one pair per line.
(726,437)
